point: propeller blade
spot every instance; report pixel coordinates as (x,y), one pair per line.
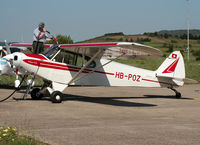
(7,47)
(9,58)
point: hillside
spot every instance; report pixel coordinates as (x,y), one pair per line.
(174,33)
(160,42)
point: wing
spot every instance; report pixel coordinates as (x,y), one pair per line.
(114,48)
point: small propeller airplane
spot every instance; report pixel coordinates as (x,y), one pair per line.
(5,67)
(63,65)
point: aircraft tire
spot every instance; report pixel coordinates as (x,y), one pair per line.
(56,97)
(34,95)
(178,95)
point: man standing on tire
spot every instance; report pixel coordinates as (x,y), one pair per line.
(39,37)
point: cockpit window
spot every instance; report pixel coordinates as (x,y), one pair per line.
(73,59)
(67,57)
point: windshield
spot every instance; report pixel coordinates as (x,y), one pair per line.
(51,51)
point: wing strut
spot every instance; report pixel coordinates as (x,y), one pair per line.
(76,75)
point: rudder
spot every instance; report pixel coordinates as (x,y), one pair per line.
(173,67)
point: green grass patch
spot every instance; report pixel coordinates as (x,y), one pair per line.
(7,81)
(10,136)
(150,64)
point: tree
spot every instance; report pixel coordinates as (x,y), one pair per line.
(166,35)
(121,39)
(171,47)
(131,40)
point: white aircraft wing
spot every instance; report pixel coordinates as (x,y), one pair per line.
(89,49)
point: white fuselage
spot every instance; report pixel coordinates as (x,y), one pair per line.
(112,74)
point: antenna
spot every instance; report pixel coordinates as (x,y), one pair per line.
(188,30)
(22,38)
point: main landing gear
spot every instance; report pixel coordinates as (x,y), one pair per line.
(56,97)
(35,94)
(38,93)
(178,94)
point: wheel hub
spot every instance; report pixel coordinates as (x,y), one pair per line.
(57,97)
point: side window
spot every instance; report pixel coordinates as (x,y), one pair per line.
(79,61)
(64,57)
(73,59)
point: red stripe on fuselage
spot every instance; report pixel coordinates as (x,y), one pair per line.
(35,56)
(59,66)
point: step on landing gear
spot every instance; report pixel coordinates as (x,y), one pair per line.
(178,94)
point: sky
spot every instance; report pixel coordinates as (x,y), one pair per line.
(86,19)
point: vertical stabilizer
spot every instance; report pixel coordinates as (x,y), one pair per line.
(173,67)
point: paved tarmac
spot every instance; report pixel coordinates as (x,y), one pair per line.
(109,116)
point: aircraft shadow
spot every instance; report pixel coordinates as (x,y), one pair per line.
(163,96)
(107,101)
(114,101)
(97,100)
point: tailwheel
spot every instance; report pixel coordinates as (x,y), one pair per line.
(56,97)
(178,94)
(35,94)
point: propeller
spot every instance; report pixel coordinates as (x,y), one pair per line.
(10,58)
(7,47)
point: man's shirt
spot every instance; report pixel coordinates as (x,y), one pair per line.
(36,32)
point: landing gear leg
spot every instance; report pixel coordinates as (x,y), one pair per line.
(28,88)
(178,94)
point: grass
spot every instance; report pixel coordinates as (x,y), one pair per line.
(150,64)
(9,81)
(10,136)
(192,69)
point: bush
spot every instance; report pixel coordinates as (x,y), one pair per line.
(141,40)
(198,59)
(171,47)
(173,41)
(196,54)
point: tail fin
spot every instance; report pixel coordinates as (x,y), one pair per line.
(173,67)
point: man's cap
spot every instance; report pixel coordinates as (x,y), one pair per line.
(41,24)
